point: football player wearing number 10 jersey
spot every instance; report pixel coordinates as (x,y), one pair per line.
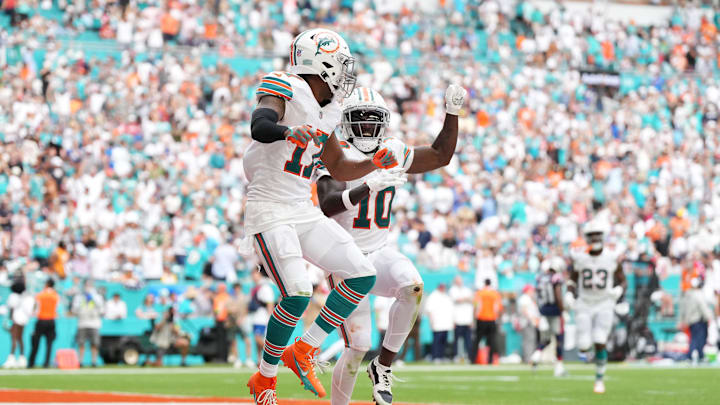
(363,208)
(292,128)
(598,281)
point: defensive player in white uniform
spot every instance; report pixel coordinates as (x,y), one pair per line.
(292,128)
(363,208)
(598,281)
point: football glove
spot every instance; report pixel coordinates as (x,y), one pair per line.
(301,135)
(454,99)
(617,292)
(384,159)
(382,179)
(399,149)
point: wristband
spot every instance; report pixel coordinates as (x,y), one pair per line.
(346,200)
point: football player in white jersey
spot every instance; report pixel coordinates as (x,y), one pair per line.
(363,208)
(598,281)
(292,128)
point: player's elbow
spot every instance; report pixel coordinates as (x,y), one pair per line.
(326,207)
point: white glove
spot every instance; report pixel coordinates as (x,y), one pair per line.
(454,99)
(569,300)
(617,292)
(382,179)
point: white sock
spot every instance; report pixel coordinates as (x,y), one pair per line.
(344,376)
(314,336)
(403,313)
(268,370)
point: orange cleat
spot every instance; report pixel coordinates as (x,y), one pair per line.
(300,358)
(263,389)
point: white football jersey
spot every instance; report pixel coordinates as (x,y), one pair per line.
(369,221)
(595,274)
(279,191)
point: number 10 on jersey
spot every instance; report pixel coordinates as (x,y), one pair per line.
(382,215)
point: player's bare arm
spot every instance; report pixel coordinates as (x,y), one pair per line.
(558,297)
(619,280)
(572,284)
(438,154)
(342,168)
(330,195)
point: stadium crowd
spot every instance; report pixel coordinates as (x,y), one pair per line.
(130,169)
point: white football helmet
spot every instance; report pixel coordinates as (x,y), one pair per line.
(324,53)
(595,232)
(365,119)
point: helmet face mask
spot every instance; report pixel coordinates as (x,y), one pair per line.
(595,241)
(365,127)
(345,83)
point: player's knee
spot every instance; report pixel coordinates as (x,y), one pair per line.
(361,285)
(295,304)
(354,359)
(411,293)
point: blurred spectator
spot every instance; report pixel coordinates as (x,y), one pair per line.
(116,309)
(221,307)
(166,334)
(224,259)
(462,298)
(695,314)
(147,309)
(239,327)
(262,302)
(488,307)
(528,318)
(21,305)
(152,261)
(59,259)
(88,307)
(438,307)
(47,301)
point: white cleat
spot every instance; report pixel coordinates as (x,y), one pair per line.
(382,379)
(560,370)
(599,387)
(250,364)
(10,362)
(21,362)
(535,358)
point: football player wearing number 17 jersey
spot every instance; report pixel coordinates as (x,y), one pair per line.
(292,128)
(598,281)
(363,208)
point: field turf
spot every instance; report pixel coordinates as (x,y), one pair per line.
(423,384)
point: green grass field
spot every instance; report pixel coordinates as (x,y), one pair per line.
(423,384)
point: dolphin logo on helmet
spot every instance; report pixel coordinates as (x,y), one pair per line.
(326,54)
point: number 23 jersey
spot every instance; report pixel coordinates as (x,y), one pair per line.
(279,191)
(595,274)
(368,221)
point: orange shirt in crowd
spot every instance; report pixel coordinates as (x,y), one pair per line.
(47,301)
(220,304)
(58,261)
(488,303)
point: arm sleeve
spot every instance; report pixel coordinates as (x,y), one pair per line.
(264,127)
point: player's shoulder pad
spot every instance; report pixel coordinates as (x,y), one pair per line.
(576,255)
(278,84)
